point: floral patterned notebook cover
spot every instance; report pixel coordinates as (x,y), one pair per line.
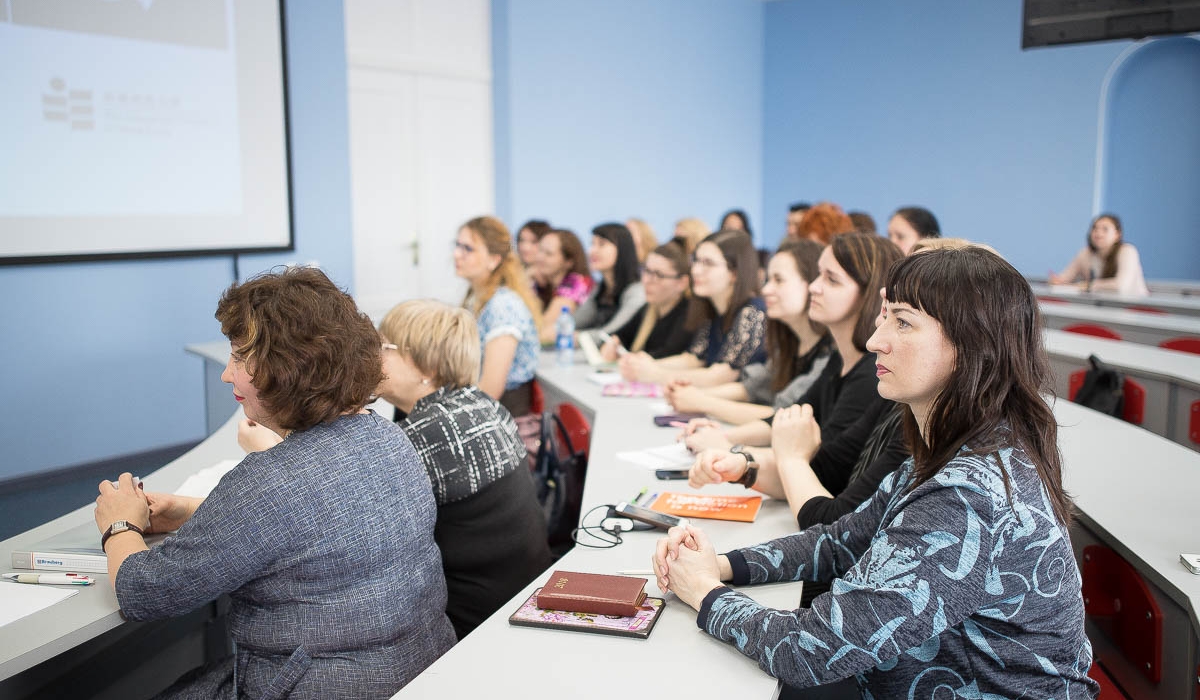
(640,625)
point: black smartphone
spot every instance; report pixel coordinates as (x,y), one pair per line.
(674,420)
(671,474)
(661,521)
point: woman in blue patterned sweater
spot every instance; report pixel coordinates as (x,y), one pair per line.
(957,577)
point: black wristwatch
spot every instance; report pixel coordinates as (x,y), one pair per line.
(751,473)
(117,528)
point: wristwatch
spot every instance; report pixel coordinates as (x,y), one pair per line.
(116,528)
(751,474)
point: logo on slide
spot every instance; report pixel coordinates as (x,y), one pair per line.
(72,107)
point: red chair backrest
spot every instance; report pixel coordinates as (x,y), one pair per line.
(1133,410)
(537,400)
(1093,329)
(1121,605)
(1194,430)
(577,427)
(1191,345)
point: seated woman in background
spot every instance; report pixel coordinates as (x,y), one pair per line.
(502,301)
(490,527)
(689,232)
(724,315)
(564,278)
(957,577)
(797,348)
(644,238)
(863,222)
(911,224)
(657,328)
(620,294)
(1108,263)
(843,401)
(528,237)
(324,543)
(736,220)
(824,221)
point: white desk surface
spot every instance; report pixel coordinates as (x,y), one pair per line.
(1170,303)
(1168,325)
(1170,366)
(214,351)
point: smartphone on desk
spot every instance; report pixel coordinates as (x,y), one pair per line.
(671,474)
(675,419)
(661,521)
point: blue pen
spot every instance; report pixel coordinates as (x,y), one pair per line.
(651,499)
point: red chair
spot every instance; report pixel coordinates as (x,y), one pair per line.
(578,430)
(1117,599)
(1147,310)
(1194,433)
(1049,300)
(1133,409)
(1094,330)
(1191,345)
(537,400)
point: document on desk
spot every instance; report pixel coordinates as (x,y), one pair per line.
(20,599)
(200,484)
(673,456)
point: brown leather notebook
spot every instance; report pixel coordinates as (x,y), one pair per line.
(599,594)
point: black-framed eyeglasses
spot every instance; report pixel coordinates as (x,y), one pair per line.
(706,262)
(660,276)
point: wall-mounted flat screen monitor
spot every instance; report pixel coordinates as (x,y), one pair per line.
(1052,22)
(134,128)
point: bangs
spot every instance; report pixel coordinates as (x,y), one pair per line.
(930,281)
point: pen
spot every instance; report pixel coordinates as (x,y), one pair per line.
(54,579)
(651,499)
(635,572)
(640,494)
(605,337)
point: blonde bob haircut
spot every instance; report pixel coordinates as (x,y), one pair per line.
(440,340)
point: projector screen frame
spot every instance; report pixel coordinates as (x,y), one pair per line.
(134,255)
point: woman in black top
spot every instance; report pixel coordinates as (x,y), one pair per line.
(619,294)
(490,527)
(657,328)
(844,402)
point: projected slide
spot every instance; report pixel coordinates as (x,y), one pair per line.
(134,126)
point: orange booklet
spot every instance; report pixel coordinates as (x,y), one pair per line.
(742,509)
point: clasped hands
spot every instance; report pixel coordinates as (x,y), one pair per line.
(152,512)
(686,564)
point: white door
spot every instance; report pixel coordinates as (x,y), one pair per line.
(420,112)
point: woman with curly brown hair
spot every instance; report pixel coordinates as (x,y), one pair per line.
(324,542)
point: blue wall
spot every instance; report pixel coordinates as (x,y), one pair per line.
(880,104)
(1151,175)
(606,110)
(93,355)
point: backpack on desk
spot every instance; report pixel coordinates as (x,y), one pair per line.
(1103,389)
(558,476)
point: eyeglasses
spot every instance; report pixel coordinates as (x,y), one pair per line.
(660,276)
(464,247)
(707,262)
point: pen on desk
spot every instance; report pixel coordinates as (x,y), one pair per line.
(651,499)
(640,494)
(52,579)
(635,572)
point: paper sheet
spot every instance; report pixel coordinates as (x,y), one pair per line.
(605,378)
(20,599)
(673,456)
(200,484)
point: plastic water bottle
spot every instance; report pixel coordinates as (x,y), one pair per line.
(564,342)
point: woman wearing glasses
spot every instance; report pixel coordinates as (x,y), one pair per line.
(724,315)
(620,294)
(508,314)
(957,577)
(657,328)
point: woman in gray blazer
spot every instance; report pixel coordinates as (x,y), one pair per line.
(323,542)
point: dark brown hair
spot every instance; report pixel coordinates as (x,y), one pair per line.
(1109,267)
(742,260)
(312,354)
(572,250)
(990,315)
(783,345)
(866,259)
(537,227)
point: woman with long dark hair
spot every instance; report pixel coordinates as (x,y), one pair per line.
(958,573)
(1108,263)
(620,294)
(725,316)
(797,347)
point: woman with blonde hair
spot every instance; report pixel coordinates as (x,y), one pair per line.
(644,237)
(490,528)
(689,232)
(502,301)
